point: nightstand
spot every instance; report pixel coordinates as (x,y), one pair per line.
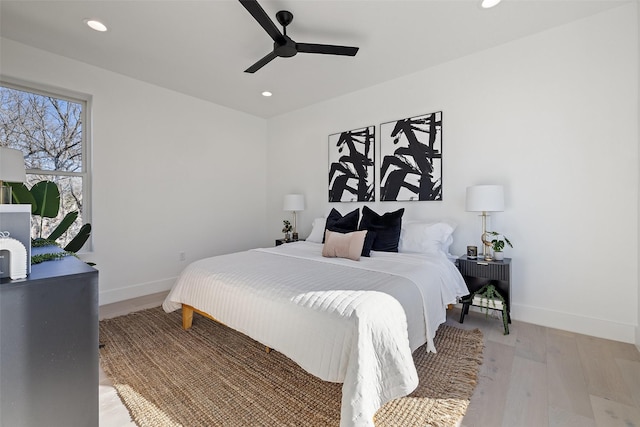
(281,241)
(477,273)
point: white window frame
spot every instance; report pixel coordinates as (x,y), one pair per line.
(86,101)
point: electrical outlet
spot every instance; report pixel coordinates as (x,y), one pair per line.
(182,256)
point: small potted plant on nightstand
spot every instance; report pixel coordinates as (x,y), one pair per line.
(497,244)
(286,229)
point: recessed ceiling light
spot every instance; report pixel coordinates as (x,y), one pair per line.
(489,3)
(96,25)
(266,93)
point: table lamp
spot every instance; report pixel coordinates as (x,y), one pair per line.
(294,203)
(11,170)
(485,198)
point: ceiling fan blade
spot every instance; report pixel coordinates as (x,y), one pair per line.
(326,49)
(258,13)
(261,63)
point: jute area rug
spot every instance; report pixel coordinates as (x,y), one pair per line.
(212,375)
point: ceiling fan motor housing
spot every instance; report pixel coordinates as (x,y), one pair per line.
(285,50)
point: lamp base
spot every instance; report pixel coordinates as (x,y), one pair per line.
(5,195)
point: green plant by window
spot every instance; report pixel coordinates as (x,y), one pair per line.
(44,198)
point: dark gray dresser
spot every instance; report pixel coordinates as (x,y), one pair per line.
(49,346)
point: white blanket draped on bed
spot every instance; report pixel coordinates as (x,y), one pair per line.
(341,320)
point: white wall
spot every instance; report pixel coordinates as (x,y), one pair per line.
(638,123)
(553,117)
(171,173)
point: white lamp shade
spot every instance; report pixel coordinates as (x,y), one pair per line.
(485,198)
(293,202)
(486,4)
(12,165)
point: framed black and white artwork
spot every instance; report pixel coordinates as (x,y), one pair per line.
(411,157)
(351,165)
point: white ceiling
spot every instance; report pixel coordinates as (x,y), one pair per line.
(201,48)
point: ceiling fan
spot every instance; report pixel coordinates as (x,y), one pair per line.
(283,46)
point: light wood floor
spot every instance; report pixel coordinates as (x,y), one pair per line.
(535,376)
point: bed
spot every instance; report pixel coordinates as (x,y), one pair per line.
(354,322)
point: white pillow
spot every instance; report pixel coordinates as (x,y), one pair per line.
(317,232)
(426,238)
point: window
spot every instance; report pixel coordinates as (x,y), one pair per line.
(51,129)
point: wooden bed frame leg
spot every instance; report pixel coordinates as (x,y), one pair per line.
(187,319)
(187,316)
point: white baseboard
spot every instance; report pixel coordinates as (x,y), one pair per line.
(600,328)
(135,291)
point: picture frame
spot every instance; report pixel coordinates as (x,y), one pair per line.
(411,158)
(472,252)
(352,165)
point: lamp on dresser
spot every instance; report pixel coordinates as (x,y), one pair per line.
(485,198)
(294,203)
(11,170)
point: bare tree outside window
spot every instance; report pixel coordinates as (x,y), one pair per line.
(49,130)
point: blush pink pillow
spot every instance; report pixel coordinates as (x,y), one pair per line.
(343,245)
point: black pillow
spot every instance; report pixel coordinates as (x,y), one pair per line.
(387,228)
(342,224)
(368,243)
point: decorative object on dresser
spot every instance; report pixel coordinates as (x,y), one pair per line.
(16,220)
(485,198)
(498,243)
(294,203)
(490,285)
(11,170)
(411,155)
(17,261)
(351,173)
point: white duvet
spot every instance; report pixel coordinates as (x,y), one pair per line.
(341,320)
